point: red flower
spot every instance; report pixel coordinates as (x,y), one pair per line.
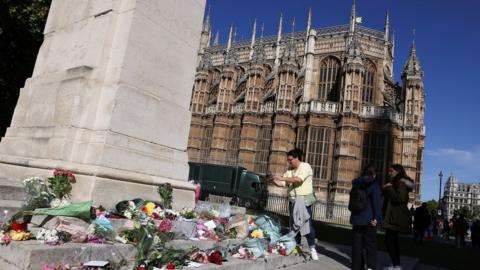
(19,226)
(215,257)
(170,266)
(141,267)
(66,173)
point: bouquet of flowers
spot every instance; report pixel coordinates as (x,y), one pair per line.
(188,213)
(50,237)
(242,253)
(170,258)
(5,238)
(149,208)
(61,183)
(37,195)
(131,210)
(165,226)
(215,257)
(278,248)
(165,191)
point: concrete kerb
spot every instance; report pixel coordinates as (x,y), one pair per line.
(30,255)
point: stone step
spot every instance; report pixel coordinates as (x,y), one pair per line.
(269,263)
(6,266)
(11,190)
(29,255)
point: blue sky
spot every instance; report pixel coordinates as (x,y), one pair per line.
(447,38)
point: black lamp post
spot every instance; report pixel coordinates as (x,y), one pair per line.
(440,175)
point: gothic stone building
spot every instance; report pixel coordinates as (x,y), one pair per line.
(457,195)
(329,91)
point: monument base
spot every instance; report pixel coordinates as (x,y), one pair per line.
(104,186)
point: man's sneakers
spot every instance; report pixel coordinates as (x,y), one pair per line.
(397,267)
(313,254)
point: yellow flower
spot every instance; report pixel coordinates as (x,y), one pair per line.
(148,208)
(19,235)
(257,234)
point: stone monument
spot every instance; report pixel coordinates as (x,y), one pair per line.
(109,99)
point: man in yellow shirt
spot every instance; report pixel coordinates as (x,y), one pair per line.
(298,179)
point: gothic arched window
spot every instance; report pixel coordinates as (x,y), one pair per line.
(213,95)
(368,82)
(329,78)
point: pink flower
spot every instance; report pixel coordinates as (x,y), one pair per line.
(165,225)
(49,267)
(6,239)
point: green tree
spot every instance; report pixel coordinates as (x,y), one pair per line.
(432,205)
(21,34)
(476,212)
(470,214)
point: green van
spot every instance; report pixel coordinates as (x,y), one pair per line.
(244,187)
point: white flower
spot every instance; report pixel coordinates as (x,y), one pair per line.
(214,213)
(32,179)
(156,240)
(172,212)
(47,235)
(131,205)
(128,214)
(57,203)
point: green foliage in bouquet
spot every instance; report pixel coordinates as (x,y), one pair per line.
(165,191)
(61,183)
(147,239)
(163,256)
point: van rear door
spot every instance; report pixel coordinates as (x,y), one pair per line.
(217,179)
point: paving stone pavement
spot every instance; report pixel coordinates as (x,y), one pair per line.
(337,257)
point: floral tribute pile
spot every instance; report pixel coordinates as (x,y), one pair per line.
(148,225)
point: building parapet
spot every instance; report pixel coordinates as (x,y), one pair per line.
(318,107)
(380,112)
(238,108)
(268,107)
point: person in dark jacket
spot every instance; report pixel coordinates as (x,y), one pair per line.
(396,219)
(461,227)
(365,222)
(475,234)
(421,223)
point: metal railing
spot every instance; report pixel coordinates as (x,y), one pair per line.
(337,213)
